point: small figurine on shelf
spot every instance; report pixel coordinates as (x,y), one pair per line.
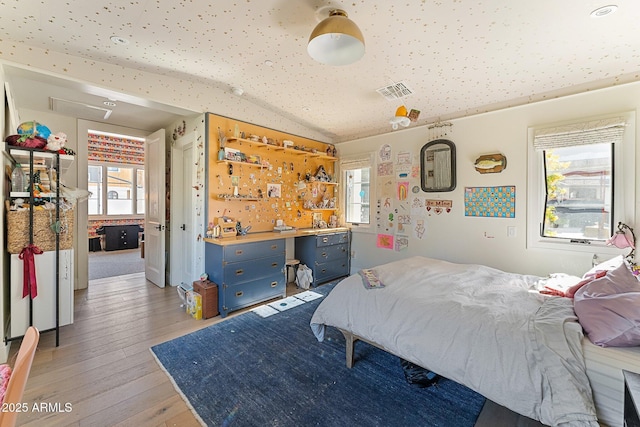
(321,174)
(36,183)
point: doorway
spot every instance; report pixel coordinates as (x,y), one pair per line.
(116,206)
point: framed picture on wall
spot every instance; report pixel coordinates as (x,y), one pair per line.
(273,190)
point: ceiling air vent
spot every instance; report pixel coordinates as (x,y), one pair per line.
(78,109)
(395,91)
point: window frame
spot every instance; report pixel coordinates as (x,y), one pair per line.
(623,206)
(134,200)
(351,163)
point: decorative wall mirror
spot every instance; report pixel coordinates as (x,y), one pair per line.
(438,166)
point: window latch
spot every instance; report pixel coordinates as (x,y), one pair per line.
(581,241)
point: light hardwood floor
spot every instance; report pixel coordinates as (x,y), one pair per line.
(103,367)
(104,371)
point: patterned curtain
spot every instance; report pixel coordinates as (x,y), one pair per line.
(113,149)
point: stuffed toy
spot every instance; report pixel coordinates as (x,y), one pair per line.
(56,142)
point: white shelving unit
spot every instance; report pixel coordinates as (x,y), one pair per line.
(53,305)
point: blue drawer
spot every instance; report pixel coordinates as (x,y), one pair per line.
(331,239)
(330,270)
(329,253)
(246,271)
(249,251)
(245,294)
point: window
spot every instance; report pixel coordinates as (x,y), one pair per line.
(140,191)
(357,192)
(579,192)
(116,174)
(96,204)
(116,190)
(120,183)
(578,189)
(356,174)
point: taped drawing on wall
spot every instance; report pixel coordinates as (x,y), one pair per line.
(420,228)
(384,241)
(385,153)
(403,190)
(401,242)
(385,169)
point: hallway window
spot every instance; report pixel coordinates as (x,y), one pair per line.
(116,174)
(116,190)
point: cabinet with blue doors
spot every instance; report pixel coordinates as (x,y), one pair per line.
(326,254)
(246,273)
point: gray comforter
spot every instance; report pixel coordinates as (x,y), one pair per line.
(484,328)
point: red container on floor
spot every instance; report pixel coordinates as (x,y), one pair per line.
(209,292)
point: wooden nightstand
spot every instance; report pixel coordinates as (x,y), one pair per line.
(631,399)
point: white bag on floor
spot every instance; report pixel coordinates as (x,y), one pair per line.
(304,277)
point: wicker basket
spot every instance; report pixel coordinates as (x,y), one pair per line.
(43,235)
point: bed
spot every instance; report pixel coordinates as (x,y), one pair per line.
(487,329)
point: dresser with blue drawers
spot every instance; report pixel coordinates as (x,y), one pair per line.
(326,254)
(246,273)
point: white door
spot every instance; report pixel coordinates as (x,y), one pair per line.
(155,202)
(183,236)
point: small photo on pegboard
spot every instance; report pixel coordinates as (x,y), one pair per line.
(493,202)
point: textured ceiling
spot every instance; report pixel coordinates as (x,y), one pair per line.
(459,57)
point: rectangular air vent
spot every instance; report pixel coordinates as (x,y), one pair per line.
(395,91)
(78,109)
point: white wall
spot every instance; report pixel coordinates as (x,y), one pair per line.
(457,238)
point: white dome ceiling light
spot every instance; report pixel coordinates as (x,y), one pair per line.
(336,40)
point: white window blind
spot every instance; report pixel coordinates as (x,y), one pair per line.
(356,162)
(610,130)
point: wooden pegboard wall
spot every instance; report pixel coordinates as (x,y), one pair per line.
(284,168)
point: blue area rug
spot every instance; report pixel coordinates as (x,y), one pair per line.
(254,371)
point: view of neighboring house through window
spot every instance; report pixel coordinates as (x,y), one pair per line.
(579,183)
(116,190)
(116,175)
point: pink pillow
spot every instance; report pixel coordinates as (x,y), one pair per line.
(587,279)
(5,374)
(607,309)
